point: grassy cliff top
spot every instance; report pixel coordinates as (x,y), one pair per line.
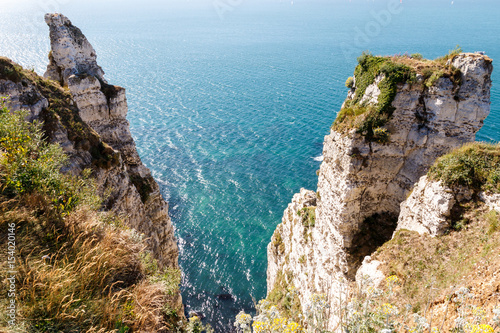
(369,119)
(475,165)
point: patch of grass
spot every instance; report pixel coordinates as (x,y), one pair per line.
(283,296)
(493,221)
(11,71)
(277,241)
(371,117)
(308,219)
(308,216)
(428,265)
(76,273)
(475,165)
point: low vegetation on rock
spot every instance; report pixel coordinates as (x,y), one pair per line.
(78,269)
(475,165)
(369,118)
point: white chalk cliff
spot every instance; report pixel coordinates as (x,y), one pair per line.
(88,119)
(362,183)
(134,193)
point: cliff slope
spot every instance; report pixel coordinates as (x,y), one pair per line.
(400,115)
(88,119)
(133,193)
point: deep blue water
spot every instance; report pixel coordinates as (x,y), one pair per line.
(229,109)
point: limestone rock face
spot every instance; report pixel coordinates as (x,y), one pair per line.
(71,51)
(427,209)
(23,96)
(368,274)
(362,183)
(131,190)
(492,200)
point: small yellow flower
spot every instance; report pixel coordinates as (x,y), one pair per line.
(388,309)
(292,327)
(483,328)
(478,312)
(393,279)
(260,326)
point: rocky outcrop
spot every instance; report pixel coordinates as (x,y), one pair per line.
(427,209)
(369,274)
(88,119)
(130,189)
(362,182)
(297,224)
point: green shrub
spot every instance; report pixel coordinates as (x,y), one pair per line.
(349,83)
(30,165)
(417,56)
(475,165)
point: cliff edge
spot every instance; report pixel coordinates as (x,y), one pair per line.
(400,115)
(130,190)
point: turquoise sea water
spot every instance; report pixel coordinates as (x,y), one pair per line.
(229,108)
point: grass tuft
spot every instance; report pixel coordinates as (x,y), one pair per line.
(475,165)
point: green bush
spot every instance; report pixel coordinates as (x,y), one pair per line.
(475,165)
(349,83)
(30,165)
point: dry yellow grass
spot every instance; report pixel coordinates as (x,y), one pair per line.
(431,270)
(78,274)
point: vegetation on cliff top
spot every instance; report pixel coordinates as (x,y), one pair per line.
(475,165)
(61,109)
(432,270)
(77,269)
(369,119)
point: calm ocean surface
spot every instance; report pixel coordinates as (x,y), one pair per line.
(229,105)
